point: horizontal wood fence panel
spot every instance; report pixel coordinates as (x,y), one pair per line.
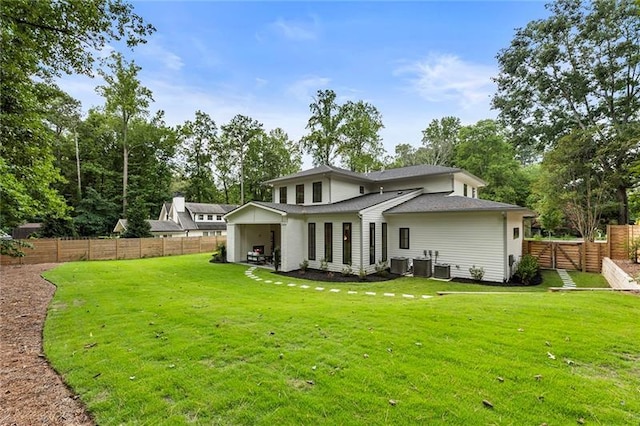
(56,250)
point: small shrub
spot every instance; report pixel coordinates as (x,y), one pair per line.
(476,273)
(362,274)
(324,265)
(634,248)
(304,265)
(222,250)
(277,257)
(527,269)
(346,271)
(382,269)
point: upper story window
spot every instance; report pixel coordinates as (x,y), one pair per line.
(317,192)
(473,193)
(361,189)
(283,195)
(299,194)
(200,217)
(209,217)
(219,217)
(464,190)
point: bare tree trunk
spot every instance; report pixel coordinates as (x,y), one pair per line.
(75,137)
(623,205)
(125,169)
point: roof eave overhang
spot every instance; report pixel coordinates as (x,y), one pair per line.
(252,204)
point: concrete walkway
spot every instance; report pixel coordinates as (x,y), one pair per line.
(567,282)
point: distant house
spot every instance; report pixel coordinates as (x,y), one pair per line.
(359,219)
(24,231)
(181,219)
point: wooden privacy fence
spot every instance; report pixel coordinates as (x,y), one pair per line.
(56,250)
(583,255)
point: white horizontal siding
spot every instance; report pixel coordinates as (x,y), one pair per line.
(462,240)
(429,184)
(337,221)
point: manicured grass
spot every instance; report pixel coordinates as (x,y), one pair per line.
(179,340)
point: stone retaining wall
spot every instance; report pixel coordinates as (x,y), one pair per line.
(616,277)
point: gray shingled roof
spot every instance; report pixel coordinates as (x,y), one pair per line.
(159,225)
(378,176)
(319,170)
(206,208)
(352,205)
(411,171)
(212,226)
(185,221)
(442,202)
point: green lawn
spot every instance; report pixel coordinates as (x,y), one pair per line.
(178,340)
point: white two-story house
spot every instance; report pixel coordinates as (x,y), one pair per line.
(360,219)
(182,219)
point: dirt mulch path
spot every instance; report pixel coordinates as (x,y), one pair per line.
(31,393)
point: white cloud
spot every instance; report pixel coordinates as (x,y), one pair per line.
(158,53)
(297,30)
(305,88)
(447,78)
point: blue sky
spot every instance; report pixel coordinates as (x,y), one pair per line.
(415,61)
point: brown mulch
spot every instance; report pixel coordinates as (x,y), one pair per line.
(31,393)
(633,269)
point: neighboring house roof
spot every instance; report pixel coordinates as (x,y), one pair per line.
(205,208)
(352,205)
(184,219)
(443,203)
(156,225)
(212,226)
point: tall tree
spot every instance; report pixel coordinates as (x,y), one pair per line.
(577,71)
(270,156)
(137,224)
(361,149)
(125,98)
(199,139)
(238,135)
(574,183)
(325,126)
(439,140)
(407,155)
(484,151)
(40,40)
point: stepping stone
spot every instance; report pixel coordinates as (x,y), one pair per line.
(268,281)
(319,288)
(352,292)
(304,286)
(388,294)
(278,282)
(291,285)
(334,290)
(424,296)
(370,293)
(408,296)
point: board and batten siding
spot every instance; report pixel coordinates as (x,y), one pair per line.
(293,247)
(462,240)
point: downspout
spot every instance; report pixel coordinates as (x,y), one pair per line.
(361,241)
(505,256)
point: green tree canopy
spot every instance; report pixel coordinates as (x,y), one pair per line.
(577,71)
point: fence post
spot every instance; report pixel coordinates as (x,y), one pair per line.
(163,245)
(57,250)
(200,244)
(140,243)
(117,243)
(182,245)
(583,256)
